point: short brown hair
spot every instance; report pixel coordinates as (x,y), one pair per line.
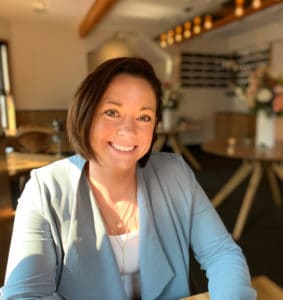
(90,92)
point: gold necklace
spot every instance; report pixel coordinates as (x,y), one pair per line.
(114,222)
(121,226)
(121,241)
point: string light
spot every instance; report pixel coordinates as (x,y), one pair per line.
(207,22)
(197,27)
(187,30)
(194,27)
(239,11)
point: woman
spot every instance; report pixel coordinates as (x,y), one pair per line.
(115,221)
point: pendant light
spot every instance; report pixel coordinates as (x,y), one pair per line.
(239,10)
(187,30)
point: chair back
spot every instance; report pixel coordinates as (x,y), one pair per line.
(34,141)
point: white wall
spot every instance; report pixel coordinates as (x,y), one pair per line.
(5,29)
(48,63)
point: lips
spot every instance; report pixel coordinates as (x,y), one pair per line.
(122,148)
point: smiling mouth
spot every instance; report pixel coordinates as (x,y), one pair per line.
(122,148)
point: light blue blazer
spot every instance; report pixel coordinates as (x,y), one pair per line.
(60,249)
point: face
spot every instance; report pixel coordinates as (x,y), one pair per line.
(124,122)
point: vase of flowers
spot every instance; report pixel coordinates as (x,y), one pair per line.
(264,135)
(170,102)
(264,97)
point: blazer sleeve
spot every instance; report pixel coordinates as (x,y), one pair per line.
(32,264)
(215,250)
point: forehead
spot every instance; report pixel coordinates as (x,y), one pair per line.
(125,77)
(125,84)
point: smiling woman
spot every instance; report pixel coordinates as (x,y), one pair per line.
(116,221)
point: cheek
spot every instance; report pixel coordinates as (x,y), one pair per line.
(99,129)
(148,134)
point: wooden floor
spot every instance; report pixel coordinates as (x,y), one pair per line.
(6,212)
(6,223)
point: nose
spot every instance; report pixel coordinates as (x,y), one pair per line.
(127,126)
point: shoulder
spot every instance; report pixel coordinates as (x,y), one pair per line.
(54,184)
(168,166)
(165,160)
(61,170)
(75,162)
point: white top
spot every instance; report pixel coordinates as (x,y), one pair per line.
(126,250)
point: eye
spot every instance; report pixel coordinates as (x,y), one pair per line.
(111,113)
(145,118)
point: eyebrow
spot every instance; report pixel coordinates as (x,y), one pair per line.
(148,108)
(119,104)
(112,102)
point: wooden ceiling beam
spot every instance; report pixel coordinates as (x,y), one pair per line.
(97,10)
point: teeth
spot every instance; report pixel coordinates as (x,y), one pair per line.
(123,148)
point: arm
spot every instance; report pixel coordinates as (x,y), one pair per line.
(221,258)
(31,269)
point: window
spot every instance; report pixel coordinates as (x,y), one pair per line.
(4,85)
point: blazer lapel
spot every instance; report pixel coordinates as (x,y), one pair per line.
(89,253)
(155,270)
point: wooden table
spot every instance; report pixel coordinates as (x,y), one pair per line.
(18,162)
(254,162)
(266,290)
(172,136)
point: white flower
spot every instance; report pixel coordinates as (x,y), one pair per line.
(264,95)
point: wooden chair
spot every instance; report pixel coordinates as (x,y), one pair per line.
(34,141)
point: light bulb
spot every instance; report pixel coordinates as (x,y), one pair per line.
(208,22)
(170,37)
(239,11)
(256,4)
(178,34)
(163,40)
(187,30)
(197,27)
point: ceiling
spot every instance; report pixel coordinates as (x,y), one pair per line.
(146,16)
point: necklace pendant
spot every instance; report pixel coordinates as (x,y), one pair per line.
(120,224)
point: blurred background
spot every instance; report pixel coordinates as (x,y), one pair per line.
(205,53)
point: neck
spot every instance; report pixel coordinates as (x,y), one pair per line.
(115,195)
(113,186)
